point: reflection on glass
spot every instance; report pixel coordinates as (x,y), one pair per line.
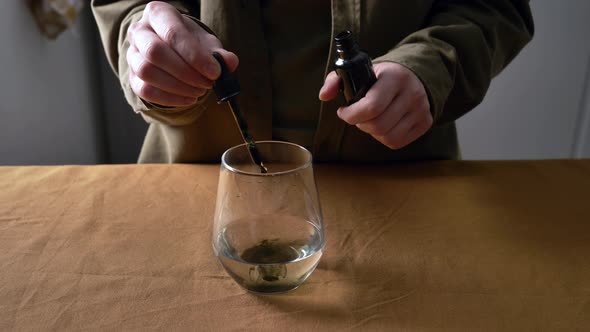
(268,231)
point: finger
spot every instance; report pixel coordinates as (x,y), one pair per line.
(382,124)
(418,130)
(155,51)
(193,48)
(397,137)
(158,78)
(373,103)
(154,95)
(330,88)
(231,60)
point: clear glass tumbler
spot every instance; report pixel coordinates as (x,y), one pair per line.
(268,231)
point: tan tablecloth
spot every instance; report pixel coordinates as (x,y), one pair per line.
(445,245)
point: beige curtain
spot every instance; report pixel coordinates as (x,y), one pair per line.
(55,16)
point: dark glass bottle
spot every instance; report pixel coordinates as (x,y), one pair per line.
(354,68)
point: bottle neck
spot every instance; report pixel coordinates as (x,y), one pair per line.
(346,46)
(347,53)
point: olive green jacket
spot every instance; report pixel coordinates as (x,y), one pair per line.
(455,47)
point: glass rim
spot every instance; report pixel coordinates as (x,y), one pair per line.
(232,169)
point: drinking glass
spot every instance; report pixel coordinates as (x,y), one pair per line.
(268,231)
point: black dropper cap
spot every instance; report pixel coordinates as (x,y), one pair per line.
(345,40)
(226,86)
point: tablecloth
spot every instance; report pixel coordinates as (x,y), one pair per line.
(453,245)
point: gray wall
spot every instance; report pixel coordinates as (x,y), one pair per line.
(539,106)
(124,129)
(48,113)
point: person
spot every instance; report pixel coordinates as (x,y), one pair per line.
(434,61)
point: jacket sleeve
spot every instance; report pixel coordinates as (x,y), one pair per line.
(113,19)
(462,46)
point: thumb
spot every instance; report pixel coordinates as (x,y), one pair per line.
(331,87)
(231,59)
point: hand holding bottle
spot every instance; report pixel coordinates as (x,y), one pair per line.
(388,101)
(395,111)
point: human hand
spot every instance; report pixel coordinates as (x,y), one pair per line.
(170,57)
(395,110)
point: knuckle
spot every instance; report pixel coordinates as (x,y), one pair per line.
(372,108)
(420,95)
(416,94)
(144,70)
(153,7)
(130,60)
(402,73)
(138,86)
(129,55)
(131,29)
(346,117)
(144,90)
(172,34)
(154,50)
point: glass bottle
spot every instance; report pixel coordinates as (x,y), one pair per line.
(354,68)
